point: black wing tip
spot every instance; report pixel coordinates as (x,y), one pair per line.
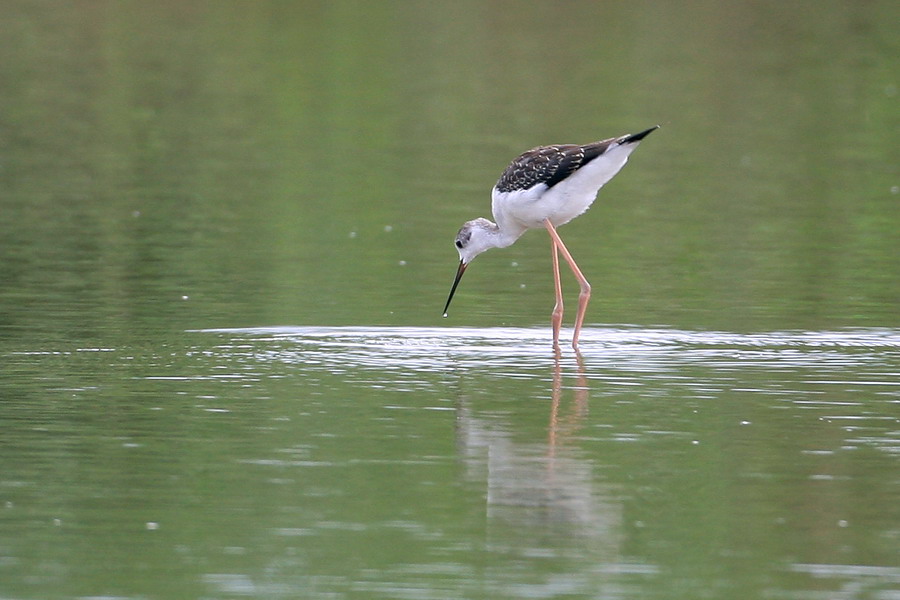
(636,137)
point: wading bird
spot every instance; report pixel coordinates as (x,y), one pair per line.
(546,187)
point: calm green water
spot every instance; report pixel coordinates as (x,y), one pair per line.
(226,239)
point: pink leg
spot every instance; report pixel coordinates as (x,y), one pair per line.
(557,315)
(585,294)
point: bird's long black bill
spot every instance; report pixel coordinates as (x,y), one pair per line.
(459,274)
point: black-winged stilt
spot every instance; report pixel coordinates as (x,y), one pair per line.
(546,187)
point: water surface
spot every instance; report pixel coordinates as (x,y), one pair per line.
(226,238)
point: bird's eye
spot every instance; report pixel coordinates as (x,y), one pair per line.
(458,244)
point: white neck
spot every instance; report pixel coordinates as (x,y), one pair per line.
(506,236)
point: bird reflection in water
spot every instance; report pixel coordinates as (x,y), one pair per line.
(542,497)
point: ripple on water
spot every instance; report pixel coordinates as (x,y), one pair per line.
(848,373)
(635,351)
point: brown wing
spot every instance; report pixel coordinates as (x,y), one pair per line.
(548,165)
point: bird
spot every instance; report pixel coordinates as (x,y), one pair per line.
(546,187)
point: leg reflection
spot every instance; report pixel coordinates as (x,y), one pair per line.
(557,431)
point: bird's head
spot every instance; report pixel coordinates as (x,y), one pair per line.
(474,237)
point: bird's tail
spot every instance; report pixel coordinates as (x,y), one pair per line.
(636,137)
